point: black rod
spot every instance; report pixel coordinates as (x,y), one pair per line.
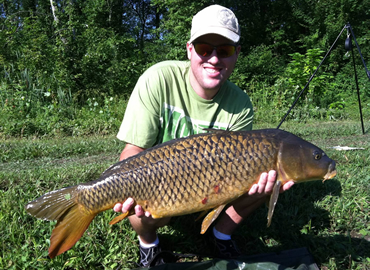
(359,50)
(356,80)
(313,75)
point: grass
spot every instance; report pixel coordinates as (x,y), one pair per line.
(331,219)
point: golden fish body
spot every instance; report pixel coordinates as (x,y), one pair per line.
(183,176)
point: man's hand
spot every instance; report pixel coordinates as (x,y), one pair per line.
(266,184)
(127,205)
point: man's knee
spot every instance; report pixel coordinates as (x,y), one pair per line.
(148,221)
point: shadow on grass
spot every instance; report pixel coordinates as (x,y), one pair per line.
(300,220)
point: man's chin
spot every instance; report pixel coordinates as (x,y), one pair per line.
(212,84)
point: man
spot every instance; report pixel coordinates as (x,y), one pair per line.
(175,99)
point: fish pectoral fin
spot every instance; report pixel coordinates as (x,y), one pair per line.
(207,221)
(119,218)
(273,200)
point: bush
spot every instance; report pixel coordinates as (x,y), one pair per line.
(256,66)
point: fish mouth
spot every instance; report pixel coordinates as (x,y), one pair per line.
(331,171)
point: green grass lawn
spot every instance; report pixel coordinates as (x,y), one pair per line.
(331,219)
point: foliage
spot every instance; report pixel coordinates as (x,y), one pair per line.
(175,26)
(258,64)
(95,49)
(301,69)
(36,111)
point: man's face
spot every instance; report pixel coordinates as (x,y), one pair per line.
(209,73)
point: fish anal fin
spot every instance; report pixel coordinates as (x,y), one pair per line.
(69,229)
(202,214)
(119,218)
(273,200)
(207,221)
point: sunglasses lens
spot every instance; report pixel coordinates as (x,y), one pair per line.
(203,49)
(223,51)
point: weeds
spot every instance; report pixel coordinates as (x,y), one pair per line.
(331,219)
(36,106)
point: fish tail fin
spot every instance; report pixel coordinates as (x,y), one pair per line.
(73,218)
(69,230)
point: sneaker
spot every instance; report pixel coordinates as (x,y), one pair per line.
(227,249)
(148,257)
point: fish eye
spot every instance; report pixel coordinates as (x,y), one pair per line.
(317,155)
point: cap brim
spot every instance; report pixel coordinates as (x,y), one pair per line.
(218,31)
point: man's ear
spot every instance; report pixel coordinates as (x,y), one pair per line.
(189,48)
(238,49)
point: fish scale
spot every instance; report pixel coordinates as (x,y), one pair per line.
(183,176)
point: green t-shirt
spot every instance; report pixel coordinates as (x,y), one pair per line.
(164,106)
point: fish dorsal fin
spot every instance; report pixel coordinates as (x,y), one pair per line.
(273,200)
(213,130)
(207,221)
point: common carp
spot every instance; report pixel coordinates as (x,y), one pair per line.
(183,176)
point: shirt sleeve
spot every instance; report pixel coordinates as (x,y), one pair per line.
(244,120)
(238,107)
(140,125)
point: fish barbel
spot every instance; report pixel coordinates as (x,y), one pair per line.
(183,176)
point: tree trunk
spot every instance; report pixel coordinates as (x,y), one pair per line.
(53,10)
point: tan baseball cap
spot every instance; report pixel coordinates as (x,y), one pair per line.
(215,19)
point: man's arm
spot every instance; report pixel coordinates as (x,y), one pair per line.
(130,150)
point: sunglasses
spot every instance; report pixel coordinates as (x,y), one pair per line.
(223,51)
